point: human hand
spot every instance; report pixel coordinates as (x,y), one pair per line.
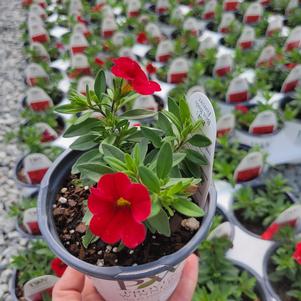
(75,286)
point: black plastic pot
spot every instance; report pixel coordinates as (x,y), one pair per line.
(13,286)
(51,184)
(235,219)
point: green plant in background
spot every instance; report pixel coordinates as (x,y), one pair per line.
(262,205)
(246,59)
(208,59)
(17,209)
(32,262)
(217,87)
(293,108)
(231,38)
(294,17)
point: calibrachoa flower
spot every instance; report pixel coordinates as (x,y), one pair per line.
(150,68)
(129,70)
(269,233)
(297,253)
(58,266)
(119,207)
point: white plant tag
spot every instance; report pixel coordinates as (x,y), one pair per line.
(128,52)
(292,80)
(108,12)
(231,5)
(81,29)
(75,8)
(291,216)
(191,25)
(133,9)
(224,229)
(201,108)
(42,3)
(178,71)
(227,19)
(48,134)
(36,9)
(223,65)
(33,73)
(108,27)
(293,4)
(247,38)
(177,14)
(40,51)
(164,51)
(153,30)
(253,13)
(266,56)
(36,287)
(264,123)
(146,102)
(79,61)
(207,43)
(249,168)
(78,43)
(238,90)
(275,25)
(294,39)
(38,33)
(34,19)
(209,10)
(83,82)
(37,99)
(30,221)
(195,89)
(35,167)
(225,124)
(162,6)
(118,38)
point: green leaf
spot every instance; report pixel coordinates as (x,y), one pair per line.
(199,140)
(89,156)
(70,108)
(184,110)
(149,179)
(173,107)
(164,161)
(188,208)
(94,170)
(87,217)
(100,84)
(137,114)
(160,223)
(84,142)
(118,165)
(177,158)
(88,238)
(111,150)
(164,124)
(152,135)
(81,128)
(174,119)
(196,157)
(156,207)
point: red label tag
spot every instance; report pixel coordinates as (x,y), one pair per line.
(41,105)
(223,71)
(266,129)
(231,5)
(41,38)
(177,78)
(246,44)
(164,58)
(248,174)
(36,176)
(239,96)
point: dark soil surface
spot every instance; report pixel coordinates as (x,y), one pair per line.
(69,226)
(255,227)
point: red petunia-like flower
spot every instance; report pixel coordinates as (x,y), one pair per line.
(58,266)
(297,253)
(119,207)
(241,108)
(269,233)
(129,70)
(150,68)
(142,38)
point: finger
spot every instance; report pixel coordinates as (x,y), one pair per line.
(185,289)
(90,293)
(69,287)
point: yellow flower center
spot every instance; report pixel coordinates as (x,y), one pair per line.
(121,202)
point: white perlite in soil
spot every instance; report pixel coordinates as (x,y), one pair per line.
(12,86)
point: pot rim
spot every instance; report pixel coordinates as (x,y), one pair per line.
(167,262)
(13,284)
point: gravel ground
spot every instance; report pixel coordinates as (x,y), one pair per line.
(11,78)
(11,88)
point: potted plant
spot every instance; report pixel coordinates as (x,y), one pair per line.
(291,106)
(282,267)
(246,58)
(141,158)
(256,207)
(35,261)
(230,39)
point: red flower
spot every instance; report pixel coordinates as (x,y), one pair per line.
(150,68)
(58,266)
(241,108)
(129,70)
(297,253)
(141,38)
(269,233)
(119,207)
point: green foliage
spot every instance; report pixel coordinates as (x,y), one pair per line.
(17,209)
(293,108)
(32,262)
(263,205)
